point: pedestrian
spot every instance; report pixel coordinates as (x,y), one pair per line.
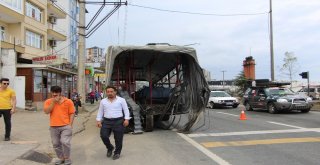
(113,116)
(91,96)
(75,96)
(101,95)
(7,105)
(61,110)
(97,95)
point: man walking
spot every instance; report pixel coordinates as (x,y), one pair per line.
(61,110)
(7,105)
(75,96)
(113,116)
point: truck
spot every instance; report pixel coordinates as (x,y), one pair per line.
(159,83)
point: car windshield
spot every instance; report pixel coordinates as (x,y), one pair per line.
(219,94)
(279,91)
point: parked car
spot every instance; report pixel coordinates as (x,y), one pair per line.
(274,97)
(314,92)
(221,99)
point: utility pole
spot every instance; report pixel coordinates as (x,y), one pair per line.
(271,44)
(223,78)
(81,46)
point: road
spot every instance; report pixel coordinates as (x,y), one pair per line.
(287,138)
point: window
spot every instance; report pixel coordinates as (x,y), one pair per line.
(34,40)
(37,80)
(2,33)
(13,4)
(33,11)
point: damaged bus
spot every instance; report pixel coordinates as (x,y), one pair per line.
(159,82)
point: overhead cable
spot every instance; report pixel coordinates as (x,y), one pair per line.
(198,13)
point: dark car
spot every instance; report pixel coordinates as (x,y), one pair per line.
(274,97)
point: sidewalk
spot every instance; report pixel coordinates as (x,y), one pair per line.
(30,138)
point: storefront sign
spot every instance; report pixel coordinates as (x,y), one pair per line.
(52,59)
(100,75)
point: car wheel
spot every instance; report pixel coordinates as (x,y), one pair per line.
(235,106)
(272,109)
(305,110)
(211,105)
(248,106)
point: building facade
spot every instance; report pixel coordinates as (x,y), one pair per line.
(29,35)
(69,48)
(95,58)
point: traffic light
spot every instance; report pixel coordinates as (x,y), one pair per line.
(304,75)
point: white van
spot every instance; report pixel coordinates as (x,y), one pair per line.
(314,92)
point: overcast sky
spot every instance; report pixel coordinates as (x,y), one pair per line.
(223,32)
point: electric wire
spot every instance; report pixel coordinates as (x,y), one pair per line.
(198,13)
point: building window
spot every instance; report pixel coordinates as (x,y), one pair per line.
(2,33)
(33,11)
(34,40)
(37,81)
(13,4)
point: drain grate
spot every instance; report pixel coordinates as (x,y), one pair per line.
(37,157)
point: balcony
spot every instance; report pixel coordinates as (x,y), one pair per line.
(9,42)
(54,11)
(10,16)
(55,33)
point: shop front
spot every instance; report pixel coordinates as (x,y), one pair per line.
(40,78)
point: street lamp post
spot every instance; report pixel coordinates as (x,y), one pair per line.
(271,44)
(223,78)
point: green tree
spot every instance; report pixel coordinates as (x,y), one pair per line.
(241,83)
(289,67)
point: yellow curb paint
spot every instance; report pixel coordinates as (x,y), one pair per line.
(261,142)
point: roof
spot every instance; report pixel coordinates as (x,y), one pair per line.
(266,83)
(46,67)
(159,59)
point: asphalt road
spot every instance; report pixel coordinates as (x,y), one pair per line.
(288,138)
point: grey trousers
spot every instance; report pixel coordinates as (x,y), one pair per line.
(61,140)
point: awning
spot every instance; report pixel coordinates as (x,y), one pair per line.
(46,67)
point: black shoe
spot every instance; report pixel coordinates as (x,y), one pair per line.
(109,152)
(116,156)
(7,139)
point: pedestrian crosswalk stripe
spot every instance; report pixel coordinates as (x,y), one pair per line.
(260,142)
(254,132)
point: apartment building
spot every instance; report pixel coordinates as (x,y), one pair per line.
(29,36)
(95,58)
(69,48)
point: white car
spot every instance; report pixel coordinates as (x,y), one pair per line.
(222,99)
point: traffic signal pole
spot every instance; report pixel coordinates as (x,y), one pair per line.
(308,84)
(305,75)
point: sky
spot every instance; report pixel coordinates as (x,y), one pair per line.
(223,32)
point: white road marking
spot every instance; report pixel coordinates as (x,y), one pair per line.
(228,114)
(211,155)
(293,126)
(255,132)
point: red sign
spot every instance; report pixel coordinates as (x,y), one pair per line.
(45,59)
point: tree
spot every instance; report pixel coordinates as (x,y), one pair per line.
(241,83)
(289,68)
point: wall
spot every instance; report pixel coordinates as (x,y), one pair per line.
(19,83)
(8,60)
